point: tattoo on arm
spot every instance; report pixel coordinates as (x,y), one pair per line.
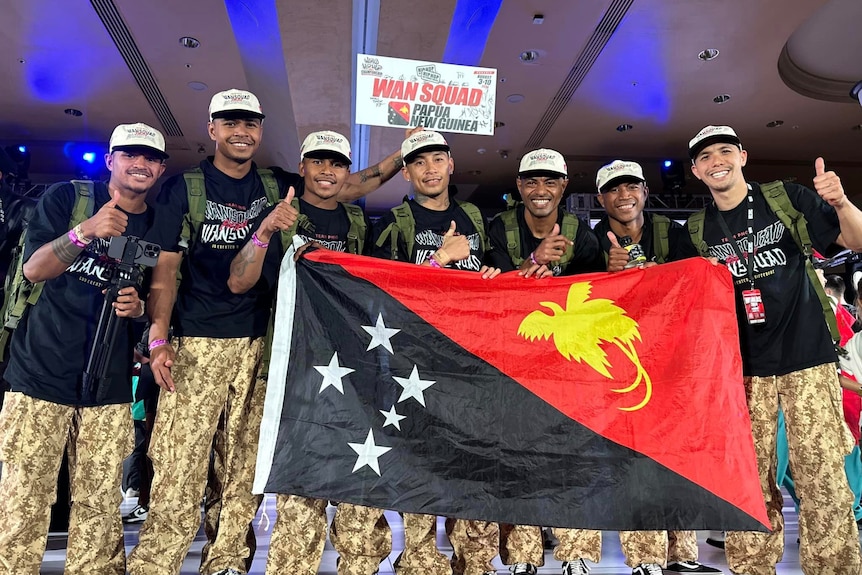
(64,250)
(372,172)
(241,262)
(399,163)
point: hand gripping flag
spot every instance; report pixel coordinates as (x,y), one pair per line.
(603,401)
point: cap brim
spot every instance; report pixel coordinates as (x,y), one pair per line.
(542,174)
(431,148)
(619,180)
(692,152)
(236,115)
(327,154)
(155,151)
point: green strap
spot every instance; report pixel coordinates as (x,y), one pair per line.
(660,241)
(570,230)
(513,236)
(358,229)
(695,231)
(477,219)
(197,196)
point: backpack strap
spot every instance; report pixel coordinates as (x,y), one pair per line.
(197,196)
(270,186)
(404,226)
(358,229)
(570,230)
(695,230)
(477,219)
(660,242)
(779,202)
(513,235)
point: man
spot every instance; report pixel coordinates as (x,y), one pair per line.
(215,399)
(623,193)
(49,408)
(299,534)
(539,239)
(436,231)
(787,352)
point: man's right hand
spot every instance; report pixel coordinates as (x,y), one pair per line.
(108,222)
(457,247)
(618,256)
(161,361)
(282,217)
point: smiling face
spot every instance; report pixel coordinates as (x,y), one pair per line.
(429,173)
(134,170)
(624,201)
(719,166)
(236,140)
(323,178)
(541,194)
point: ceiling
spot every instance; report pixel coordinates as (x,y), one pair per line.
(601,63)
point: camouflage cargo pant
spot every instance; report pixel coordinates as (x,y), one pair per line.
(578,544)
(474,545)
(658,546)
(217,405)
(818,440)
(33,434)
(420,555)
(360,534)
(522,544)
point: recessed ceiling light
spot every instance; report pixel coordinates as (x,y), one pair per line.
(73,112)
(528,56)
(624,127)
(189,42)
(538,18)
(499,124)
(775,124)
(721,98)
(481,151)
(198,86)
(502,80)
(515,98)
(21,60)
(708,54)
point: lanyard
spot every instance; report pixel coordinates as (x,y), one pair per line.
(724,228)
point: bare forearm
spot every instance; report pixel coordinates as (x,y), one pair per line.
(246,267)
(366,181)
(51,260)
(850,221)
(163,294)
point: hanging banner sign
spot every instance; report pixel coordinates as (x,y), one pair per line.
(441,97)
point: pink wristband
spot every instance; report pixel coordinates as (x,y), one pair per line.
(256,241)
(73,237)
(533,259)
(156,343)
(434,263)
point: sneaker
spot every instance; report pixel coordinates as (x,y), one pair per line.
(136,515)
(647,569)
(575,568)
(690,567)
(523,569)
(228,572)
(130,493)
(716,539)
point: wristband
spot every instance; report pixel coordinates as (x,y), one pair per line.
(442,257)
(157,343)
(76,236)
(434,263)
(256,241)
(533,259)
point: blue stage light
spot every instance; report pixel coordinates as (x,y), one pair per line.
(89,157)
(22,149)
(668,163)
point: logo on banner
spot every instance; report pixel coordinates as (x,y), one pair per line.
(399,113)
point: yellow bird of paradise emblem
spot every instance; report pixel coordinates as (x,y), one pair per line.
(579,331)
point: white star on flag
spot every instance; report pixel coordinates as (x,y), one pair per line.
(413,386)
(380,334)
(332,374)
(368,453)
(392,418)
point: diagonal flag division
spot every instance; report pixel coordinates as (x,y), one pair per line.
(598,401)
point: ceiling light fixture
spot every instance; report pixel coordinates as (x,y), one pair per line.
(73,112)
(189,42)
(721,98)
(708,54)
(528,56)
(624,127)
(515,98)
(775,124)
(538,18)
(499,124)
(198,86)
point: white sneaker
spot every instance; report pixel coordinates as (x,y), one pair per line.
(647,569)
(577,567)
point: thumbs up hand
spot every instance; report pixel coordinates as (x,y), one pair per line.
(282,217)
(455,247)
(108,222)
(828,185)
(618,256)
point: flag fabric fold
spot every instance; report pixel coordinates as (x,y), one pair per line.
(604,401)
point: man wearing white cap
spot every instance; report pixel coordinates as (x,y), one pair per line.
(788,355)
(49,408)
(299,533)
(212,368)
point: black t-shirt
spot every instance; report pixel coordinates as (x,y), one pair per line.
(795,335)
(587,256)
(678,241)
(431,225)
(205,306)
(50,348)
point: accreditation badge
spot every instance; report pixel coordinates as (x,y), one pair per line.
(753,302)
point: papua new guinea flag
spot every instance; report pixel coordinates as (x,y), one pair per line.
(604,401)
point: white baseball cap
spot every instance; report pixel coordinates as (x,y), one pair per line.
(131,136)
(616,171)
(326,143)
(235,103)
(711,135)
(543,160)
(423,141)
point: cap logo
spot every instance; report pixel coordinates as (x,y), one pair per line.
(327,139)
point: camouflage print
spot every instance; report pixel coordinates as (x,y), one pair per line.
(644,547)
(215,390)
(420,555)
(818,440)
(522,544)
(681,546)
(474,545)
(296,545)
(33,434)
(362,537)
(578,544)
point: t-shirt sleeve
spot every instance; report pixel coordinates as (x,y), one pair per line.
(498,254)
(823,225)
(50,218)
(171,206)
(588,254)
